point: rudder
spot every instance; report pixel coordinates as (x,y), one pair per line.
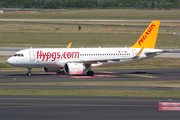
(148,38)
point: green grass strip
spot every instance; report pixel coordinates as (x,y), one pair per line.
(173,83)
(100,93)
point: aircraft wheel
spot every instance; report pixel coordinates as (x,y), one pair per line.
(90,73)
(28,73)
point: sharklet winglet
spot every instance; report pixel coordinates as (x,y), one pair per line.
(69,46)
(139,53)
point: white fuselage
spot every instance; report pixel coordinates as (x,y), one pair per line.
(58,57)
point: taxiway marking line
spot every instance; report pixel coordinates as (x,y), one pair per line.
(16,105)
(147,76)
(141,75)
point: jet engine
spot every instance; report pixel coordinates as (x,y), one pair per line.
(74,68)
(54,69)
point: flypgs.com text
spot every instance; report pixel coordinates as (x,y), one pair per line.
(45,56)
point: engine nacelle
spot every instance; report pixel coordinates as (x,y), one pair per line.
(74,68)
(55,69)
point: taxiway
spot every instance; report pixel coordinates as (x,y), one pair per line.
(85,108)
(88,108)
(100,75)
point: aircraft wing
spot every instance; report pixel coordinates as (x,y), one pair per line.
(96,61)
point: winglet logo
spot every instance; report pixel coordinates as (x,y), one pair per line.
(145,35)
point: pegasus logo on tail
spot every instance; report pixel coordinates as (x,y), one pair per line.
(144,36)
(148,38)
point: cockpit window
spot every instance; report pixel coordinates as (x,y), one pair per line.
(19,55)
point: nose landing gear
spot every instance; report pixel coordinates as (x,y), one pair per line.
(29,72)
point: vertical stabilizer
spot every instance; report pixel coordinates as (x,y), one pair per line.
(148,38)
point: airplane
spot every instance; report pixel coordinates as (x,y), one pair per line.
(75,61)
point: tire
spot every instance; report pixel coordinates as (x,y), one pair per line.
(28,74)
(90,73)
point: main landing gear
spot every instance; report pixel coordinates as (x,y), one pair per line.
(29,72)
(90,72)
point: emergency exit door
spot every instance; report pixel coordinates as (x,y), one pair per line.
(32,55)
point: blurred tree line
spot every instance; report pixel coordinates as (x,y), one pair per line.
(58,4)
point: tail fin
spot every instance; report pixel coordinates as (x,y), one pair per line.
(148,38)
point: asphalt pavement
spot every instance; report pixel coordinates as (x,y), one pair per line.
(89,108)
(85,108)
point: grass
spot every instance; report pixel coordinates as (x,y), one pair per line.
(97,14)
(172,83)
(100,93)
(82,40)
(92,34)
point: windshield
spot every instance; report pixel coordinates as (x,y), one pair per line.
(19,55)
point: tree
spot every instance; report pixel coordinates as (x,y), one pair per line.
(126,3)
(145,4)
(14,5)
(50,5)
(79,4)
(5,4)
(121,5)
(79,28)
(21,6)
(27,5)
(105,4)
(90,5)
(152,5)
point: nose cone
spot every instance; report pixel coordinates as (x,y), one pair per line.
(10,61)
